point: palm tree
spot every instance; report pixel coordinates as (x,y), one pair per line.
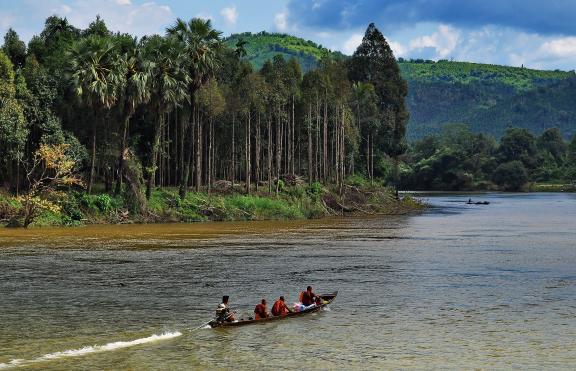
(136,92)
(97,77)
(168,88)
(202,45)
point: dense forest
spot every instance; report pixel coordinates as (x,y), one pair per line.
(458,159)
(183,110)
(489,98)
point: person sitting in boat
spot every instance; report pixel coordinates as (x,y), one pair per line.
(307,297)
(260,311)
(223,313)
(280,308)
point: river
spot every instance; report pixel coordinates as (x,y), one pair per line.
(458,286)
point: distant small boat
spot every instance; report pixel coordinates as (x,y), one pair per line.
(326,298)
(478,202)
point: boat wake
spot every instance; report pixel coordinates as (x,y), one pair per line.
(90,349)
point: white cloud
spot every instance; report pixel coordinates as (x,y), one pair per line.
(281,21)
(120,15)
(352,43)
(63,9)
(230,15)
(205,16)
(564,47)
(444,41)
(6,20)
(398,49)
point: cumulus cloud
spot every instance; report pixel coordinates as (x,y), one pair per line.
(352,43)
(563,47)
(120,15)
(281,21)
(545,17)
(443,41)
(205,16)
(230,15)
(398,49)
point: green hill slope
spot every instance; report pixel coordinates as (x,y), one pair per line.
(487,97)
(263,46)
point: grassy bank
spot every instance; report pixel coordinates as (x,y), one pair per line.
(292,202)
(547,187)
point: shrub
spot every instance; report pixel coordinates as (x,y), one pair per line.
(510,175)
(71,213)
(315,191)
(356,180)
(102,203)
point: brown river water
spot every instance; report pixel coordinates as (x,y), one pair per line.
(456,287)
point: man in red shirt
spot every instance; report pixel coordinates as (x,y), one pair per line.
(307,297)
(261,311)
(279,308)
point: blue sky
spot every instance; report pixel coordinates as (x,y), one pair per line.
(533,33)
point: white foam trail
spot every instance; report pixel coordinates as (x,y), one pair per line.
(90,349)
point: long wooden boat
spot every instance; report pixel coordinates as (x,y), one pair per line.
(326,298)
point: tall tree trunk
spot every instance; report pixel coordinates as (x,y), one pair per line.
(122,151)
(325,141)
(186,140)
(342,151)
(257,154)
(93,159)
(310,163)
(278,148)
(154,158)
(176,148)
(317,146)
(233,164)
(292,144)
(269,155)
(198,153)
(168,176)
(212,155)
(336,147)
(209,174)
(248,153)
(368,155)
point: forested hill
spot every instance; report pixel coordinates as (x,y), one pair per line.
(263,46)
(489,98)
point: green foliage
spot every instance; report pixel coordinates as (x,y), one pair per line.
(71,210)
(511,175)
(254,207)
(488,97)
(373,62)
(459,160)
(13,130)
(102,203)
(315,191)
(357,180)
(465,73)
(14,48)
(551,141)
(518,145)
(264,46)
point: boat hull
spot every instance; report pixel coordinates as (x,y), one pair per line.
(328,298)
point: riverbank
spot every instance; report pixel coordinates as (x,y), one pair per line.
(225,204)
(546,187)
